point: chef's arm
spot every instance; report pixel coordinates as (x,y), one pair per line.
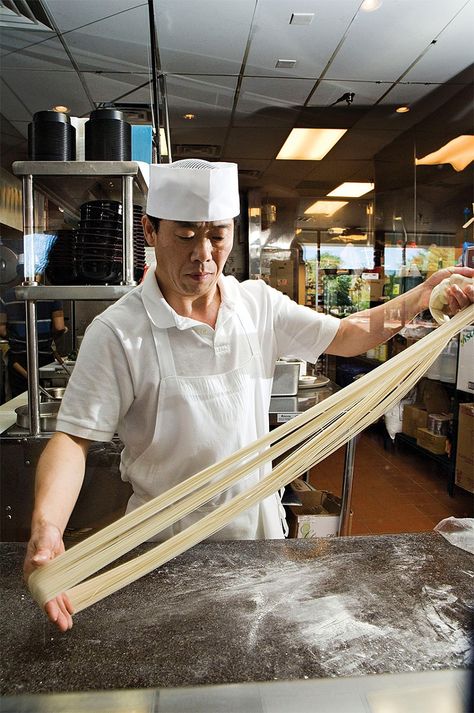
(364,330)
(57,320)
(59,478)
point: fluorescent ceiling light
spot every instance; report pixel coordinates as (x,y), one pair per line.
(309,144)
(459,153)
(325,207)
(351,190)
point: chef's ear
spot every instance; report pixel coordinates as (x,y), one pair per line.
(149,230)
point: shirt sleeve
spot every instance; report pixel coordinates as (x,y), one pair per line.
(301,331)
(100,390)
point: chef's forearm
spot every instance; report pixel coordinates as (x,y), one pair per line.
(364,330)
(59,478)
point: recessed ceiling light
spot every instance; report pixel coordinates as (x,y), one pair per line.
(351,190)
(301,18)
(61,109)
(309,144)
(325,207)
(189,117)
(402,109)
(285,63)
(370,5)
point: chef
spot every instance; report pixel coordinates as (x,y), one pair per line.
(181,367)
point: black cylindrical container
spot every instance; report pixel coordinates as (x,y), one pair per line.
(108,137)
(51,137)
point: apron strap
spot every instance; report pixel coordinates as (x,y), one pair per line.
(163,352)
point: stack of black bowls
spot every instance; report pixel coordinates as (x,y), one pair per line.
(60,269)
(98,251)
(51,137)
(138,243)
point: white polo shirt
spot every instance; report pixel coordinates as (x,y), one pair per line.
(115,384)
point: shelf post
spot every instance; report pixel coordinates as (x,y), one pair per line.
(32,366)
(127,224)
(347,487)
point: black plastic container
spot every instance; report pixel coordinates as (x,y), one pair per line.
(108,137)
(51,137)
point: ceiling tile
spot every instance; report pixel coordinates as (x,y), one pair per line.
(452,52)
(12,40)
(330,90)
(263,143)
(381,45)
(208,36)
(311,46)
(274,101)
(119,43)
(48,55)
(12,108)
(358,144)
(70,15)
(106,87)
(44,91)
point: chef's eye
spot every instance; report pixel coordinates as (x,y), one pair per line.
(185,234)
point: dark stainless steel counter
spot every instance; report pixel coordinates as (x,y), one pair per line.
(251,611)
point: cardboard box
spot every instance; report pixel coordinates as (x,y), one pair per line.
(464,476)
(414,417)
(431,441)
(318,516)
(433,396)
(465,378)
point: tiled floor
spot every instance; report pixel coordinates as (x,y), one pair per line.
(395,489)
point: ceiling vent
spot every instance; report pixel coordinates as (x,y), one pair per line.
(249,173)
(23,15)
(197,150)
(135,113)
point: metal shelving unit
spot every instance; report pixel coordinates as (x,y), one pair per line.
(69,183)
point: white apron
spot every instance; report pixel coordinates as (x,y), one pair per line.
(200,420)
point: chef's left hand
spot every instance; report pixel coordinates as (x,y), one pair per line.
(458,297)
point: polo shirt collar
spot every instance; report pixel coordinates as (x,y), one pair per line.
(164,316)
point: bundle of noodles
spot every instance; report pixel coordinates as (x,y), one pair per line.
(311,437)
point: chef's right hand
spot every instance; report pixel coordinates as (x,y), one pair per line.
(45,544)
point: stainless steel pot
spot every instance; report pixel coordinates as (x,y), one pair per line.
(55,393)
(48,414)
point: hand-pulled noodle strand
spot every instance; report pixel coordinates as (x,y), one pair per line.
(314,434)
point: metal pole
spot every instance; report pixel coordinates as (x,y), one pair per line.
(347,487)
(29,277)
(127,227)
(166,121)
(32,366)
(154,80)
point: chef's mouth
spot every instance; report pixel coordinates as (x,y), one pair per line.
(200,275)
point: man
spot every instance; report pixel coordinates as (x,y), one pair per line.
(181,368)
(50,324)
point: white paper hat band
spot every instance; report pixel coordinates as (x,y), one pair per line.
(193,190)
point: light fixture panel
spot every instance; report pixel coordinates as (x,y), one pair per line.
(301,18)
(309,144)
(285,63)
(327,208)
(351,189)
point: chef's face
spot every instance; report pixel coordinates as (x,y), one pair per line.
(190,257)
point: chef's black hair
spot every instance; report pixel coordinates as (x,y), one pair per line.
(155,222)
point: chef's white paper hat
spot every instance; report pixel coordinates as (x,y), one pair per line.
(193,190)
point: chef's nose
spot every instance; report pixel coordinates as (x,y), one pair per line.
(202,250)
